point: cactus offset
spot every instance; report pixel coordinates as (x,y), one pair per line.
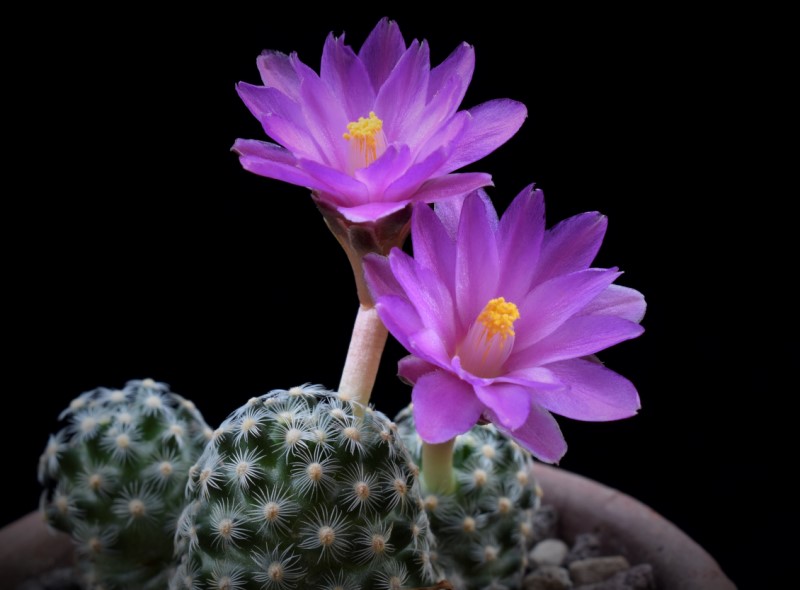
(484,526)
(303,489)
(114,480)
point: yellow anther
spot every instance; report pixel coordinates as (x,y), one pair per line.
(490,338)
(498,318)
(365,133)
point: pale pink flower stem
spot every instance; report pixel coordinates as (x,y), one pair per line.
(363,356)
(369,334)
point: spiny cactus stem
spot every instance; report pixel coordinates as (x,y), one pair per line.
(437,467)
(363,356)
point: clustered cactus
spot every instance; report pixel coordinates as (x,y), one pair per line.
(299,488)
(114,479)
(302,488)
(484,525)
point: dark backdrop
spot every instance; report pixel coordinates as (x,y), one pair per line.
(137,246)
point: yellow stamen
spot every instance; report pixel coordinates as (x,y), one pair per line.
(364,132)
(498,318)
(490,339)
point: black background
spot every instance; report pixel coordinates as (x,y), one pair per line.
(136,246)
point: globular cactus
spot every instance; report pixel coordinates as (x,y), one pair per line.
(301,488)
(114,479)
(483,527)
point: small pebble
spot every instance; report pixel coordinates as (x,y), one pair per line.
(597,569)
(639,577)
(586,545)
(549,552)
(548,577)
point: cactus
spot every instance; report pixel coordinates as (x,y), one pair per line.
(484,526)
(302,488)
(114,479)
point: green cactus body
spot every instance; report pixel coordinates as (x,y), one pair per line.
(300,489)
(114,479)
(484,526)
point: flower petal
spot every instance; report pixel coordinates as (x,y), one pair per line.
(438,390)
(571,245)
(351,191)
(411,368)
(277,72)
(381,51)
(379,277)
(521,232)
(433,248)
(399,317)
(457,369)
(476,260)
(325,116)
(461,64)
(426,292)
(510,403)
(282,119)
(370,211)
(403,94)
(449,211)
(296,139)
(445,139)
(540,434)
(385,170)
(494,122)
(406,187)
(533,378)
(596,394)
(416,131)
(620,301)
(273,161)
(427,345)
(262,100)
(347,77)
(577,337)
(552,303)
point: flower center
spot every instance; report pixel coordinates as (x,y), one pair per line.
(498,319)
(367,141)
(490,338)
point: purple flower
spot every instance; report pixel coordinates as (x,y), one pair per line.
(502,317)
(376,130)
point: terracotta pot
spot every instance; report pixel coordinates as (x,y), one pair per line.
(630,528)
(627,526)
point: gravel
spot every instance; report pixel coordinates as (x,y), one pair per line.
(554,564)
